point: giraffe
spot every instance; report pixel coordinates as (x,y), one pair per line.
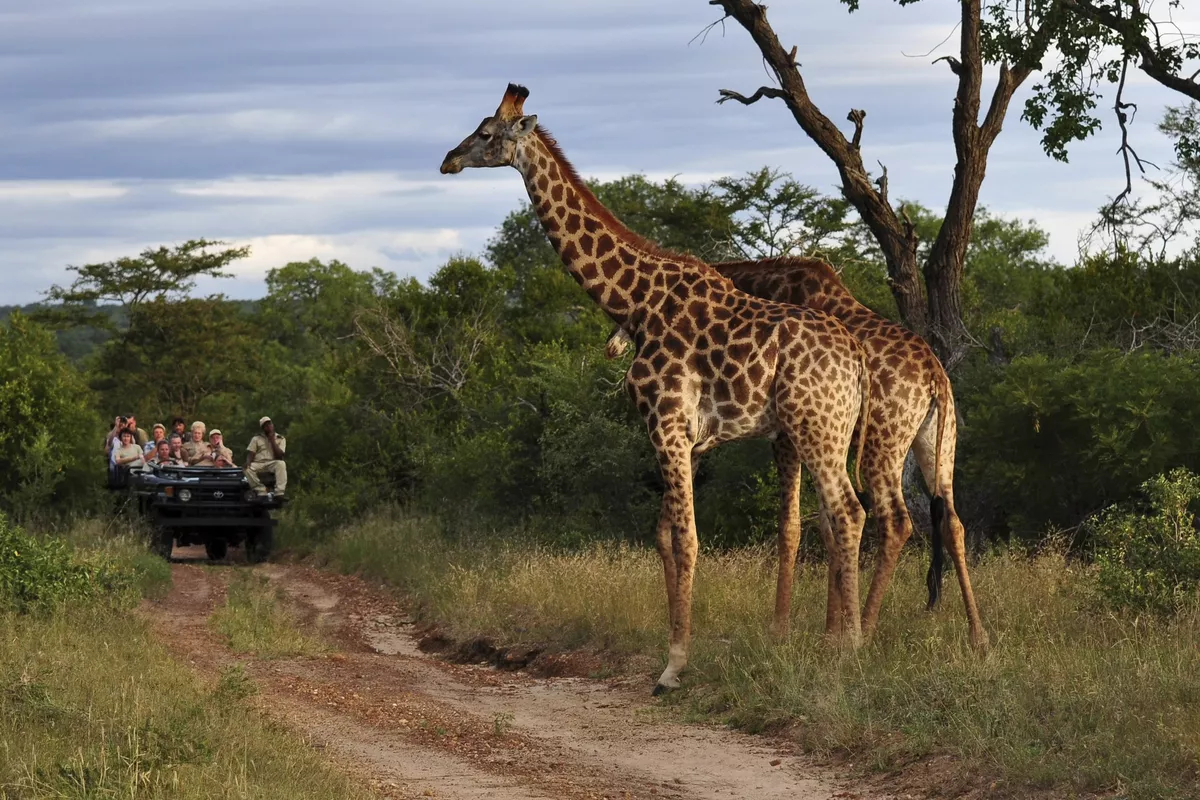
(712,364)
(912,408)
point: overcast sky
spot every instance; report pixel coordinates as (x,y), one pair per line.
(312,128)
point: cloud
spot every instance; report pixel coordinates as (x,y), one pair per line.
(315,129)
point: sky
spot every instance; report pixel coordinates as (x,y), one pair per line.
(313,128)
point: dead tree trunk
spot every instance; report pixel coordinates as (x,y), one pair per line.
(935,310)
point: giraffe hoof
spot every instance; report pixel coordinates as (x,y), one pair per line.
(660,689)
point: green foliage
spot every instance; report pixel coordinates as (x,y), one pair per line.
(44,573)
(190,357)
(49,438)
(158,273)
(1053,440)
(776,215)
(1149,558)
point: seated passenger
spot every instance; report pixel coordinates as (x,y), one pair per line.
(162,457)
(180,427)
(217,454)
(177,455)
(265,454)
(128,454)
(158,433)
(195,448)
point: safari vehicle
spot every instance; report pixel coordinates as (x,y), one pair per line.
(212,506)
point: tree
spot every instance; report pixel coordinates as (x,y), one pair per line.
(776,215)
(181,358)
(1154,226)
(1017,37)
(48,434)
(162,273)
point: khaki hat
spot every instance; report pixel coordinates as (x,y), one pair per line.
(214,432)
(263,421)
(198,424)
(159,426)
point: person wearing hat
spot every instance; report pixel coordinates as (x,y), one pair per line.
(217,454)
(158,433)
(195,447)
(265,453)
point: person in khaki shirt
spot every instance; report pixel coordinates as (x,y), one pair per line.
(265,453)
(217,454)
(195,447)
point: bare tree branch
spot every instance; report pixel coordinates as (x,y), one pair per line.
(763,91)
(857,115)
(1133,33)
(898,243)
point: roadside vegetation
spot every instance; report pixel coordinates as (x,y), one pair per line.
(255,620)
(1073,695)
(91,705)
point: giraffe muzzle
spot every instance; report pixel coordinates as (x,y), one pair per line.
(451,165)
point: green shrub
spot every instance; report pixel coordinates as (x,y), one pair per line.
(42,573)
(1149,558)
(1055,440)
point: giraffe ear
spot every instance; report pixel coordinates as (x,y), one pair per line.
(524,126)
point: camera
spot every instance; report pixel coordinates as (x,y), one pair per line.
(124,420)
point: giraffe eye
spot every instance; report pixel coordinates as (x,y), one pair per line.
(485,135)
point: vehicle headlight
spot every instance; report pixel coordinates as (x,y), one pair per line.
(185,494)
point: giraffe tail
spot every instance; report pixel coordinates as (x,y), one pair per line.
(863,416)
(937,504)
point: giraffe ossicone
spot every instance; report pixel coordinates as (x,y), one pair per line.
(712,364)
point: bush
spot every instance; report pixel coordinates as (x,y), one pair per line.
(1149,558)
(43,573)
(1053,441)
(50,441)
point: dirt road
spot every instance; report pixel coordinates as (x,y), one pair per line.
(413,725)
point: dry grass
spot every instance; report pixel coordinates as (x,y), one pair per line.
(92,706)
(1069,697)
(255,620)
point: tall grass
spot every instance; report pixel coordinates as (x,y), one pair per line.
(91,705)
(255,620)
(1069,696)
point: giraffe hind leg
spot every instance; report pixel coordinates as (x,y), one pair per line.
(788,462)
(895,528)
(937,556)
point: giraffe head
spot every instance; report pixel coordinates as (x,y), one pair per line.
(494,143)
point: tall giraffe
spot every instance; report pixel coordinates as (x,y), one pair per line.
(912,408)
(713,364)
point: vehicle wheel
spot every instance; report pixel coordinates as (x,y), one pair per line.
(259,544)
(164,542)
(216,549)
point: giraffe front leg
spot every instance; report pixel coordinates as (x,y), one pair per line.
(895,528)
(787,460)
(666,551)
(681,523)
(844,516)
(833,594)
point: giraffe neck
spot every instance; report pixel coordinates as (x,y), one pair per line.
(612,264)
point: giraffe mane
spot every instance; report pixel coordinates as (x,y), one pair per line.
(821,269)
(598,209)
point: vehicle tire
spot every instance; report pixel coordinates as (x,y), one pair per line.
(259,544)
(164,542)
(216,549)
